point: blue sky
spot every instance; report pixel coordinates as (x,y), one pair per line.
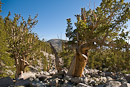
(52,14)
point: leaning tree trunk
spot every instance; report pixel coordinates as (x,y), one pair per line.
(57,61)
(79,62)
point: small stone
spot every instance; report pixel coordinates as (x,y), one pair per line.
(38,84)
(102,74)
(66,85)
(88,76)
(85,80)
(37,80)
(102,85)
(82,85)
(52,72)
(109,79)
(54,83)
(127,77)
(31,79)
(93,83)
(40,81)
(108,73)
(76,80)
(103,79)
(42,77)
(67,77)
(27,75)
(113,84)
(41,72)
(66,81)
(46,73)
(97,79)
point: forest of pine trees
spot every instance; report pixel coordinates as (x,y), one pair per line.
(99,40)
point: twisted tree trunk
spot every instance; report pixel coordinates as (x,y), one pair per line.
(79,61)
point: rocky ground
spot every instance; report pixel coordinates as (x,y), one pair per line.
(91,78)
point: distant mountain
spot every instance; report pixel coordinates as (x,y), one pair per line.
(57,43)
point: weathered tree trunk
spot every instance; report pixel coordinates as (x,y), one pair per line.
(72,67)
(80,65)
(79,62)
(17,71)
(20,66)
(57,61)
(17,66)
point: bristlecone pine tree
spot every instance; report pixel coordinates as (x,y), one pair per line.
(19,46)
(20,40)
(96,28)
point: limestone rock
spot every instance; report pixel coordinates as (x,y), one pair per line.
(22,83)
(82,85)
(109,79)
(113,84)
(77,80)
(27,75)
(54,83)
(43,77)
(85,80)
(127,77)
(103,79)
(46,73)
(66,85)
(37,84)
(67,77)
(125,85)
(5,82)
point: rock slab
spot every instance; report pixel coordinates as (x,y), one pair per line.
(5,82)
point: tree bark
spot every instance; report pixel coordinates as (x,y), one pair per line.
(79,62)
(20,66)
(80,65)
(72,67)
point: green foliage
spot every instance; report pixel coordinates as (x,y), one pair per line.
(126,71)
(103,32)
(19,47)
(45,63)
(6,62)
(110,59)
(100,27)
(66,55)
